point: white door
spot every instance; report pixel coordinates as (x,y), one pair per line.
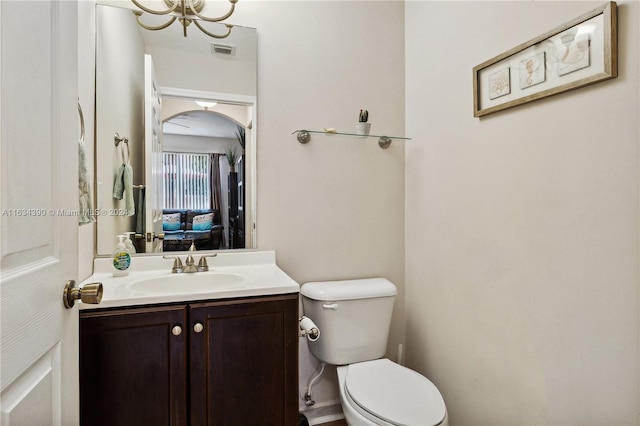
(153,157)
(38,203)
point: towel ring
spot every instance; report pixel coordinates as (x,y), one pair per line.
(116,140)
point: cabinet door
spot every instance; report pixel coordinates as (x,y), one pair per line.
(133,367)
(244,362)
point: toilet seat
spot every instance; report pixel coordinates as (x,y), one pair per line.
(388,393)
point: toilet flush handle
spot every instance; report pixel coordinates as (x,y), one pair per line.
(333,306)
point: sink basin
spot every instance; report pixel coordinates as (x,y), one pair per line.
(200,282)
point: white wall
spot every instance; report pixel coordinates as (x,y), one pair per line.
(241,114)
(230,76)
(521,227)
(201,144)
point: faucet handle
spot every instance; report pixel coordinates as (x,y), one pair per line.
(202,263)
(177,264)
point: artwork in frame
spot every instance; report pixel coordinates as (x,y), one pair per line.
(573,52)
(532,70)
(499,84)
(580,52)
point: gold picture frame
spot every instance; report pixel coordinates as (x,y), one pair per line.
(580,52)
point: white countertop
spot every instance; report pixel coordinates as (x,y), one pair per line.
(258,269)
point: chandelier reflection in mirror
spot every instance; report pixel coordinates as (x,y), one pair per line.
(184,11)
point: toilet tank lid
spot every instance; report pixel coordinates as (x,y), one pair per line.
(366,288)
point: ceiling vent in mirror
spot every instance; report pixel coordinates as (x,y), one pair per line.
(223,49)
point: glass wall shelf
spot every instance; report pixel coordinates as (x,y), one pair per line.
(304,136)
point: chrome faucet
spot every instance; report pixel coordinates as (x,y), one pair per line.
(189,266)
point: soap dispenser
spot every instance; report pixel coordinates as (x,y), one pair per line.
(128,242)
(121,258)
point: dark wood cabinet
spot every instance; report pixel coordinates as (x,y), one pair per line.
(234,363)
(133,369)
(245,369)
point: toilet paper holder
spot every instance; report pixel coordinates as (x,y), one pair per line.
(309,329)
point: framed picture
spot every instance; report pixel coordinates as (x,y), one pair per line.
(575,54)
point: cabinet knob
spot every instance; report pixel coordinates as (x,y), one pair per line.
(177,330)
(198,327)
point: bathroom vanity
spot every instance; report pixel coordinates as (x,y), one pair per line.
(225,356)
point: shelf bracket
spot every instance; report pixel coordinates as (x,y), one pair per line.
(304,136)
(384,142)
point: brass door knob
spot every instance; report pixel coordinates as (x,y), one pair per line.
(91,293)
(153,236)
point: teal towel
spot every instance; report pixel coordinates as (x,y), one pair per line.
(123,188)
(118,185)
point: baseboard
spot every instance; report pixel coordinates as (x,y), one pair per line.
(324,413)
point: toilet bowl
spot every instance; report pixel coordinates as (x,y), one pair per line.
(354,317)
(383,393)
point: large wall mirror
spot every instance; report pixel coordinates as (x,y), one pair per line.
(177,114)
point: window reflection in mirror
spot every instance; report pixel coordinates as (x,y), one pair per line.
(190,174)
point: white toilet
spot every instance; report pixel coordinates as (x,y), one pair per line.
(354,318)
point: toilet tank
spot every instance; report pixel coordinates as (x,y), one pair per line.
(353,317)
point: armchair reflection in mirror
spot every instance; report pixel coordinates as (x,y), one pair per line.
(202,227)
(145,77)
